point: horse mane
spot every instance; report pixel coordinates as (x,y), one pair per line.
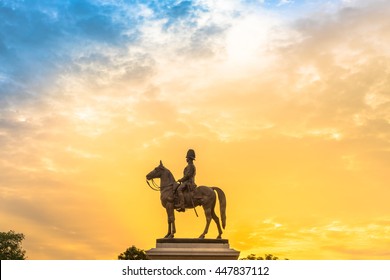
(170,175)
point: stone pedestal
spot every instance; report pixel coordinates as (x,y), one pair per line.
(192,249)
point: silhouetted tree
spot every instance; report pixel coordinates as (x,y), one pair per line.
(133,253)
(10,246)
(266,257)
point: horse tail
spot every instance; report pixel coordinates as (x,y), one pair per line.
(222,204)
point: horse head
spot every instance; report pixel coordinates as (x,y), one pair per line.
(163,173)
(157,172)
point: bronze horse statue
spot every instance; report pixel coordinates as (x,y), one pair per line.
(200,196)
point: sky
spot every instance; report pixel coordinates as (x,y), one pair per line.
(286,104)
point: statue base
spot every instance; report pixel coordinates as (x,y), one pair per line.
(192,249)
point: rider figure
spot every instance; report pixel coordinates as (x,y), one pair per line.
(188,180)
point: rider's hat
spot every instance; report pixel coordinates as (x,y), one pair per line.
(190,154)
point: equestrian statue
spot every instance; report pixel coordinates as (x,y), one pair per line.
(184,194)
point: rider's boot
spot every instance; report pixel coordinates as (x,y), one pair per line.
(181,207)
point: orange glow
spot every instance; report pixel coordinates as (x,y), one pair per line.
(291,121)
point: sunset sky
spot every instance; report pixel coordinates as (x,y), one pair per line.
(286,103)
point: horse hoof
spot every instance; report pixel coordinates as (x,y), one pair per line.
(219,237)
(201,237)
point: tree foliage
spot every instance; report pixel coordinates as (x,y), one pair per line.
(133,253)
(11,247)
(266,257)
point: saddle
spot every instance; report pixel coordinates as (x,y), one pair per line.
(188,192)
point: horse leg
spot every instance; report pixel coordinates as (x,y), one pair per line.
(169,230)
(216,220)
(207,213)
(171,221)
(173,227)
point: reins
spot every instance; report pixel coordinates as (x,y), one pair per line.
(155,187)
